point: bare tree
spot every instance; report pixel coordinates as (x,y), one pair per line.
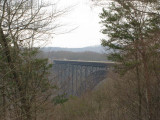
(24,23)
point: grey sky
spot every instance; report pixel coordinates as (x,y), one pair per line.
(87,21)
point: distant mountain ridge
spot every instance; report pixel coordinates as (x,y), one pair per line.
(97,49)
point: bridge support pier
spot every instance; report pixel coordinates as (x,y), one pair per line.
(73,76)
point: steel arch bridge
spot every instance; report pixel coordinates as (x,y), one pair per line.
(76,77)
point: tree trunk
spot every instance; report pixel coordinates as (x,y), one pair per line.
(148,87)
(139,94)
(24,106)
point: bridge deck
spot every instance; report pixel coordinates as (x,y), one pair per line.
(84,63)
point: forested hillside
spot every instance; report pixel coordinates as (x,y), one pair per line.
(97,49)
(66,55)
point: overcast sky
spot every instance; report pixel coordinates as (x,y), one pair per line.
(85,19)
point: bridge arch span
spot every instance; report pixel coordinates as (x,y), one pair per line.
(76,77)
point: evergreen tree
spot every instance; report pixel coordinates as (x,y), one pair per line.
(133,29)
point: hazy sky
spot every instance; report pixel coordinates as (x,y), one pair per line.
(85,19)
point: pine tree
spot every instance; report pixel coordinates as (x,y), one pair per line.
(132,28)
